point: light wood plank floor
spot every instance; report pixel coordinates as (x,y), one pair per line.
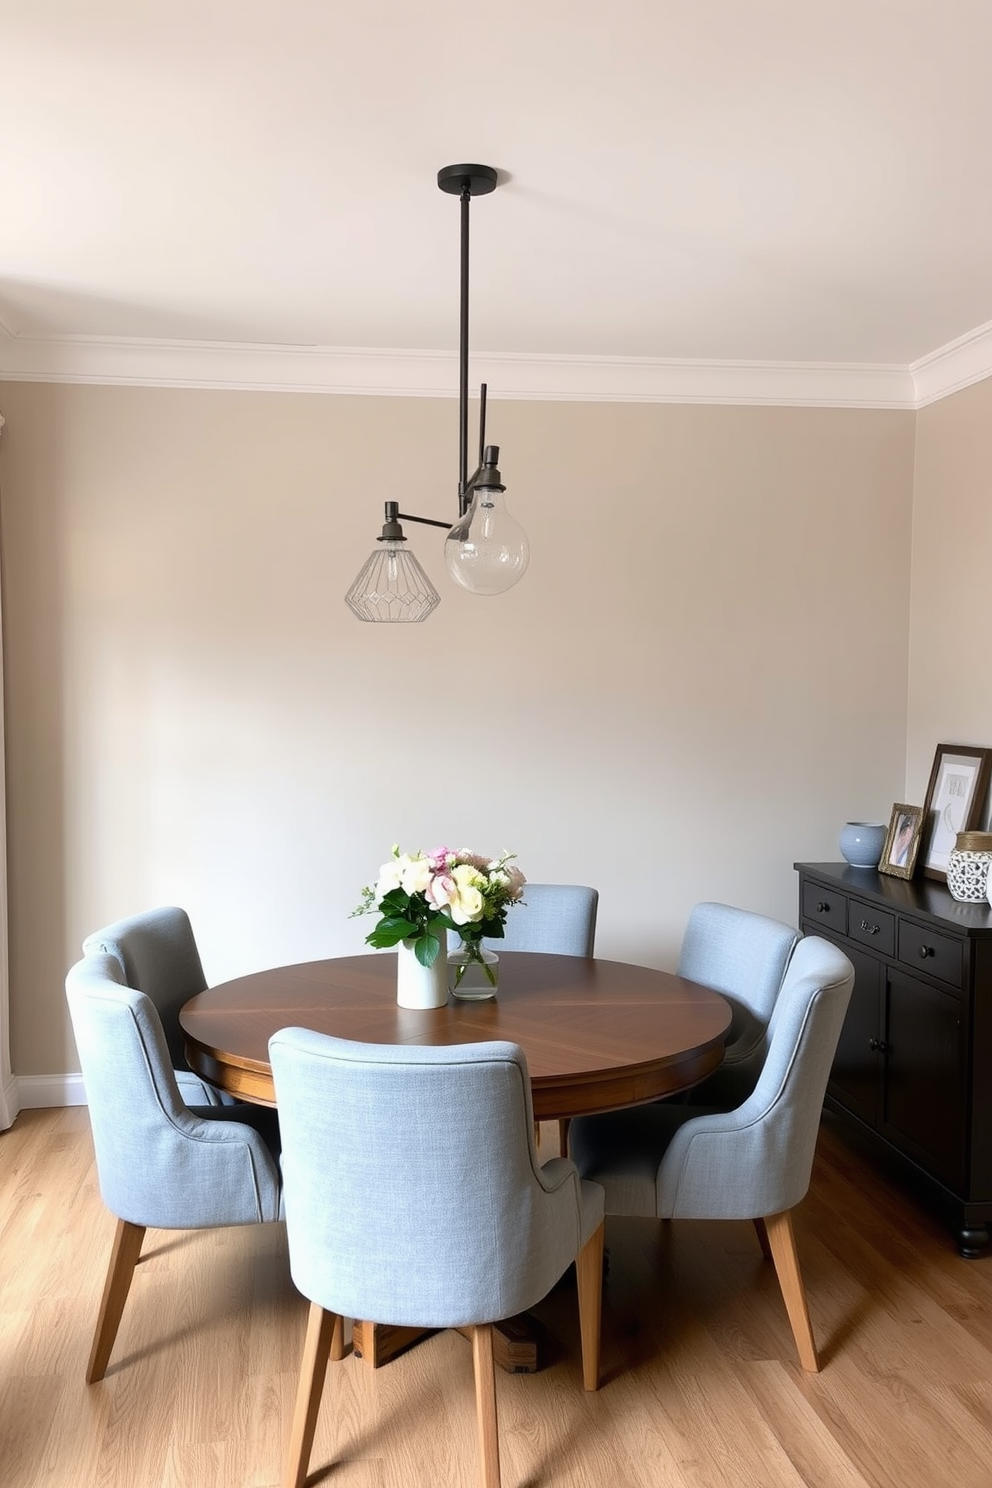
(701,1385)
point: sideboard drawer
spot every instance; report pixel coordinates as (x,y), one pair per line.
(938,955)
(872,927)
(825,906)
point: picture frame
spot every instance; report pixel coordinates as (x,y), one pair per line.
(955,800)
(902,841)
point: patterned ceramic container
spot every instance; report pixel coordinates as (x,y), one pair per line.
(968,867)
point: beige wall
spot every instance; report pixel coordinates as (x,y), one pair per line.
(702,676)
(950,695)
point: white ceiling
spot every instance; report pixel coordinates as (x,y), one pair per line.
(731,181)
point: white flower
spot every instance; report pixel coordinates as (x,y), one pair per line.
(389,878)
(417,874)
(466,908)
(466,903)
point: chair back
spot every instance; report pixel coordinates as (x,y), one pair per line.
(743,956)
(157,953)
(756,1160)
(159,1163)
(559,919)
(413,1191)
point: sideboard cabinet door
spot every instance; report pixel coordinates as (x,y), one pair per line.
(924,1091)
(854,1079)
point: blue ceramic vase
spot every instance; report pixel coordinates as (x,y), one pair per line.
(861,843)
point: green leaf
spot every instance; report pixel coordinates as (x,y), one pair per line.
(426,949)
(390,932)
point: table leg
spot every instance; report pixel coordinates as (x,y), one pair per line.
(515,1343)
(378,1343)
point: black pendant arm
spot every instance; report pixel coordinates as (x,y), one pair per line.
(427,521)
(391,529)
(483,391)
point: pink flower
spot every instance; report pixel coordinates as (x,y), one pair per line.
(441,890)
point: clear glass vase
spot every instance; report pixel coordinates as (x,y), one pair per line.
(473,971)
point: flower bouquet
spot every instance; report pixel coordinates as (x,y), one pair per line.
(421,896)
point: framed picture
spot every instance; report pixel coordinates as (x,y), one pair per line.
(902,841)
(959,783)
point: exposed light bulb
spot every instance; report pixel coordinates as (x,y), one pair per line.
(487,550)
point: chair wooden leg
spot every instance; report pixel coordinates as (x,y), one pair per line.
(589,1278)
(762,1234)
(123,1259)
(324,1338)
(485,1403)
(782,1240)
(563,1137)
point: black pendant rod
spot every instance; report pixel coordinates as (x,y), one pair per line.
(466,181)
(466,199)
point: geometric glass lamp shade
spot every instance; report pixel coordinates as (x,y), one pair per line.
(392,586)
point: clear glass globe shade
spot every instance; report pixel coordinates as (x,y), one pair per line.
(487,550)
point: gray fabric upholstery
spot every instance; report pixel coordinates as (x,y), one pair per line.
(414,1194)
(157,954)
(159,1162)
(559,919)
(683,1162)
(744,957)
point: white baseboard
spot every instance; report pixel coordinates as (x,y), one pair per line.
(34,1091)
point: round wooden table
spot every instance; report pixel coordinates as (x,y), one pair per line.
(597,1034)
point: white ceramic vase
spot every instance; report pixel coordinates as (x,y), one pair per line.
(420,986)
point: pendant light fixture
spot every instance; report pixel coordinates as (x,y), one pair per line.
(485,551)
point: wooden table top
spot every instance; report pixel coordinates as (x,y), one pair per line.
(597,1034)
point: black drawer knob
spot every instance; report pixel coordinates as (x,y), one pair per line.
(878,1046)
(823,907)
(871,929)
(926,951)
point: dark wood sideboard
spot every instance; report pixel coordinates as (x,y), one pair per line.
(914,1062)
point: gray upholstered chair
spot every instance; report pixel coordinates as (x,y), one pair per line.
(678,1162)
(557,918)
(743,956)
(160,1162)
(414,1196)
(157,953)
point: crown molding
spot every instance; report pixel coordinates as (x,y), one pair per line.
(366,372)
(954,366)
(372,372)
